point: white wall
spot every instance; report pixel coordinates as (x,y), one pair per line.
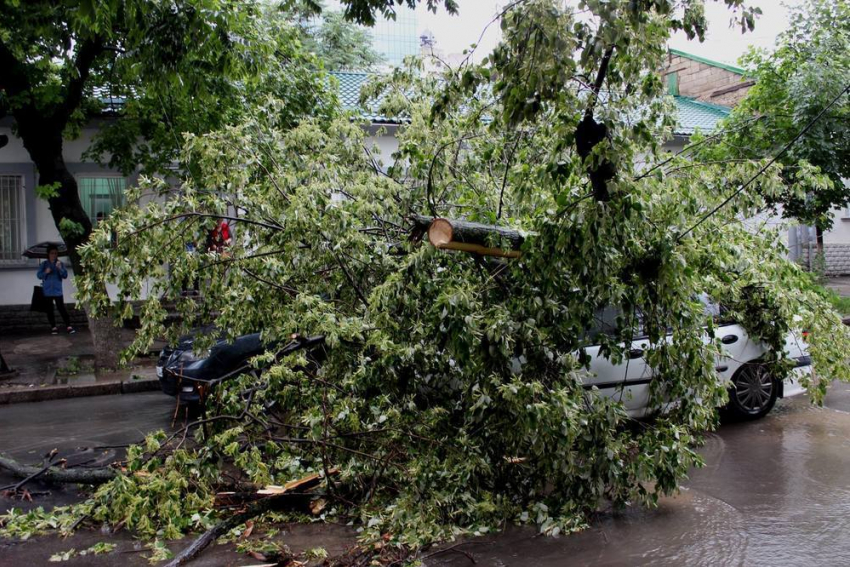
(17,281)
(386,143)
(840,233)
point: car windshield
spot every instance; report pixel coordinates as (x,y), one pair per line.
(605,322)
(708,306)
(716,311)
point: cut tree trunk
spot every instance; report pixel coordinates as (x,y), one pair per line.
(473,237)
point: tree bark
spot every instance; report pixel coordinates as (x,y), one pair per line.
(478,238)
(589,133)
(474,232)
(107,341)
(62,476)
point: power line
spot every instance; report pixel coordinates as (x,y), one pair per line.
(763,169)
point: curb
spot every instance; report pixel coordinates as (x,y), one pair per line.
(43,394)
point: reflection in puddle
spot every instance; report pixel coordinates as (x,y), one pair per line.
(775,492)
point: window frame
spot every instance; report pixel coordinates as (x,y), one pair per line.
(21,203)
(79,176)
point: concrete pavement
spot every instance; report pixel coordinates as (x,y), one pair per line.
(44,365)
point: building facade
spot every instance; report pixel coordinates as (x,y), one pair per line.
(396,39)
(704,81)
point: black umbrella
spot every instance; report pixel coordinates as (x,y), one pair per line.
(40,250)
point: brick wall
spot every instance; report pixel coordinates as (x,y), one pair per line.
(836,259)
(19,318)
(706,82)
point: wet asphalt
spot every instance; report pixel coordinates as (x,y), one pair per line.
(773,492)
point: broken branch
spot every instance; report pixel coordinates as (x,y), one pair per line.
(57,475)
(221,528)
(473,237)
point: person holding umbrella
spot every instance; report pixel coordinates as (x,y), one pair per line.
(51,272)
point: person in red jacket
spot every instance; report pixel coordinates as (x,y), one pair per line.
(219,237)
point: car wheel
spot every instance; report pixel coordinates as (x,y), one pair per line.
(753,392)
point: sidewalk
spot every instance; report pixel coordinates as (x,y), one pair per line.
(50,367)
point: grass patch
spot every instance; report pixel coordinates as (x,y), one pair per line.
(839,303)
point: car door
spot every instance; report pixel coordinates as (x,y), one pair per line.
(626,381)
(737,347)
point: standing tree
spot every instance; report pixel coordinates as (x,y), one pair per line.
(809,67)
(182,66)
(342,45)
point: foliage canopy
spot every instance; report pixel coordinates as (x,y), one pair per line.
(450,395)
(173,67)
(809,68)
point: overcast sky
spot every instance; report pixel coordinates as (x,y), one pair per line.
(456,33)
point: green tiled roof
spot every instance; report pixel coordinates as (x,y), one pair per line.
(349,96)
(693,114)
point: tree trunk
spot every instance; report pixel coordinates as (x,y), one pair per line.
(45,144)
(473,237)
(107,341)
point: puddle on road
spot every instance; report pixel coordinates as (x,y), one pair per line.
(775,492)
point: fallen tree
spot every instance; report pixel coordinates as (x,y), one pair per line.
(451,400)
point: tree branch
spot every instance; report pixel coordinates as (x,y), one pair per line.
(86,54)
(300,500)
(53,474)
(14,79)
(600,79)
(208,216)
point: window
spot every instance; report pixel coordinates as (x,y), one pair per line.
(11,218)
(101,195)
(605,321)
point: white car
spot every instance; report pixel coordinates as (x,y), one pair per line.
(752,389)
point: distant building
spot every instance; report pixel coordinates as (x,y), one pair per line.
(695,80)
(396,39)
(703,79)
